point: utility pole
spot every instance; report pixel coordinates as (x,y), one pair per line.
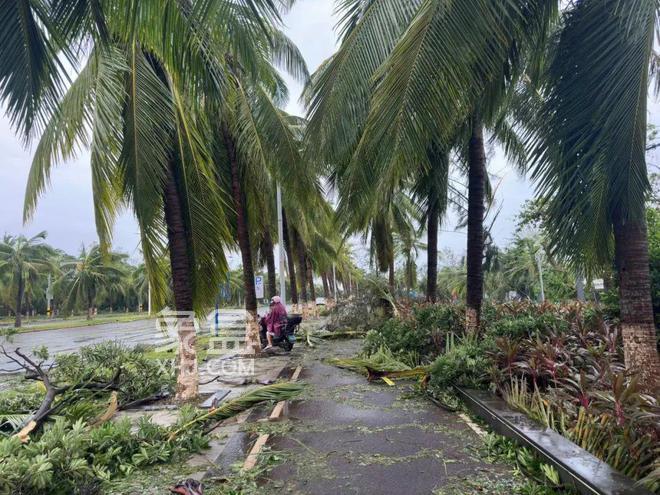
(539,258)
(579,286)
(280,236)
(49,296)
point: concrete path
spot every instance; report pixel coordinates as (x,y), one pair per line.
(351,437)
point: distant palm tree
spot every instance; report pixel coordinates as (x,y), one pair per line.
(91,272)
(24,260)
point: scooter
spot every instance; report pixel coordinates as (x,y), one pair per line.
(287,336)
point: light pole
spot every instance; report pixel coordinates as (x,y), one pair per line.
(579,286)
(280,236)
(149,297)
(539,258)
(49,296)
(334,279)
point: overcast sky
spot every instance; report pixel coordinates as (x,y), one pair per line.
(66,209)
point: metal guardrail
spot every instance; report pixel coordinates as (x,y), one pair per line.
(576,467)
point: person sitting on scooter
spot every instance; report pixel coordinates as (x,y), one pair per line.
(275,320)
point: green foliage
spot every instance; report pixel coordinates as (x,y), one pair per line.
(139,377)
(23,400)
(524,326)
(570,377)
(72,457)
(653,221)
(544,478)
(69,456)
(465,364)
(420,336)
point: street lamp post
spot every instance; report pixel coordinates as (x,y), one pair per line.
(280,236)
(539,258)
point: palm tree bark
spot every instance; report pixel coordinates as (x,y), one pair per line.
(391,279)
(432,248)
(251,327)
(312,290)
(290,262)
(637,325)
(299,248)
(270,263)
(20,290)
(182,285)
(476,212)
(326,287)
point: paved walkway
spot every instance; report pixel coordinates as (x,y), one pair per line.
(347,436)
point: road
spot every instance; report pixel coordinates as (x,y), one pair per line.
(129,333)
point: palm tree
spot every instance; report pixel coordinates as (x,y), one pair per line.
(23,260)
(439,67)
(144,95)
(431,190)
(257,141)
(140,285)
(90,273)
(589,141)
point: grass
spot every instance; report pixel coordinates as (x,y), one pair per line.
(201,345)
(76,322)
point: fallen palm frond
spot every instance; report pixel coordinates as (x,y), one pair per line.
(13,421)
(380,364)
(347,334)
(274,392)
(312,339)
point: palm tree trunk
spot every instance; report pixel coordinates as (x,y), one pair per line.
(391,280)
(252,343)
(290,262)
(182,285)
(476,212)
(312,290)
(326,287)
(302,269)
(637,325)
(270,263)
(432,248)
(20,290)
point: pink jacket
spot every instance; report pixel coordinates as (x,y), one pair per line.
(275,319)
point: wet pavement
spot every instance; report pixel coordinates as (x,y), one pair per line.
(350,437)
(128,333)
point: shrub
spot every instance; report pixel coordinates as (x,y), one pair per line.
(71,458)
(420,336)
(466,364)
(526,326)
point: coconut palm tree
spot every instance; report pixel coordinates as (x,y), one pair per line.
(589,141)
(257,145)
(90,273)
(439,67)
(431,190)
(141,104)
(23,260)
